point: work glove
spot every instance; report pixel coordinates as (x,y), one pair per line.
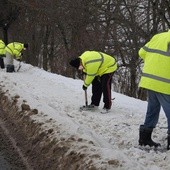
(84,87)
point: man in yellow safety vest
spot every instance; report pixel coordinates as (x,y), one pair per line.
(14,50)
(99,68)
(156,79)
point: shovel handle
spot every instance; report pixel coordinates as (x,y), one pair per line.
(86,101)
(19,66)
(85,92)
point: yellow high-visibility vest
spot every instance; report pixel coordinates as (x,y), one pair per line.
(15,49)
(2,47)
(156,70)
(96,64)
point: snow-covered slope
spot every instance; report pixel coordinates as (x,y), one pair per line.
(113,136)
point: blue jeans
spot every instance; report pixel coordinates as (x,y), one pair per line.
(155,101)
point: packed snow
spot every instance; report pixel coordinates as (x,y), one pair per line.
(115,134)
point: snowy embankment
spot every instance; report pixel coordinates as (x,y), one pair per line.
(44,107)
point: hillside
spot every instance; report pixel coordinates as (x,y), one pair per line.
(42,113)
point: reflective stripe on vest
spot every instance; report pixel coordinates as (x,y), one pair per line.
(14,43)
(96,60)
(10,50)
(156,77)
(165,53)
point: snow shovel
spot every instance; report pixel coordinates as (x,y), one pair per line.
(86,101)
(85,92)
(19,66)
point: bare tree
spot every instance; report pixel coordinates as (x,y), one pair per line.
(60,30)
(8,14)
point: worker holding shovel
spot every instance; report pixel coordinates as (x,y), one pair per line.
(99,68)
(14,50)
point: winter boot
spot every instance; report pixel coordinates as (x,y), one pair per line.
(168,142)
(10,68)
(145,137)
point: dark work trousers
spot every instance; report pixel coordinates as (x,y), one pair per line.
(96,91)
(2,62)
(102,85)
